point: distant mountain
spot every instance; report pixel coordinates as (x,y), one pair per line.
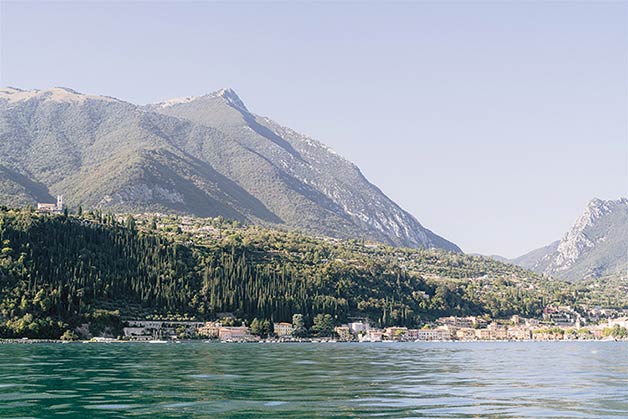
(205,156)
(596,245)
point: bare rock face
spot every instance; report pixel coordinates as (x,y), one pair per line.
(596,245)
(205,156)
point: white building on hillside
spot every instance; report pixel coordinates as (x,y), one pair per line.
(51,208)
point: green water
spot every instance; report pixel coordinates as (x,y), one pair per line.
(199,380)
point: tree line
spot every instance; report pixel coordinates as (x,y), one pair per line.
(58,271)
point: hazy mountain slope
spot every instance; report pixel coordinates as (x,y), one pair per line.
(204,156)
(106,153)
(531,258)
(323,183)
(596,245)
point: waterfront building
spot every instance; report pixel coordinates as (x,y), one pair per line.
(483,334)
(240,333)
(439,333)
(283,329)
(359,327)
(412,334)
(344,333)
(465,333)
(518,333)
(373,335)
(209,329)
(497,331)
(158,329)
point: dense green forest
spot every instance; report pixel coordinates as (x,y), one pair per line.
(60,271)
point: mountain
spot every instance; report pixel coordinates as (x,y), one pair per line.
(204,156)
(596,245)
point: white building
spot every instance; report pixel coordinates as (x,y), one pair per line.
(237,334)
(51,208)
(157,329)
(439,333)
(359,327)
(373,335)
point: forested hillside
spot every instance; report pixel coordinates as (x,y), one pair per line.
(60,271)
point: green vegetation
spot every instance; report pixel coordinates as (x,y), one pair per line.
(299,326)
(69,335)
(262,328)
(616,331)
(323,325)
(63,271)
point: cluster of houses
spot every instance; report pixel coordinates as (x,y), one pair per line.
(559,322)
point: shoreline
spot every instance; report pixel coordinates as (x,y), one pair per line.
(4,341)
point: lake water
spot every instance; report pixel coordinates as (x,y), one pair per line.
(386,380)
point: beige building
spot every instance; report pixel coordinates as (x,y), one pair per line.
(483,334)
(234,333)
(283,329)
(209,329)
(465,333)
(344,333)
(519,333)
(497,331)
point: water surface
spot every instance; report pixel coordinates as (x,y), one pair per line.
(386,380)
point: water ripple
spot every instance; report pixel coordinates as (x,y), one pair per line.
(414,380)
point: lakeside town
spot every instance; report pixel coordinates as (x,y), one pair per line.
(558,323)
(552,322)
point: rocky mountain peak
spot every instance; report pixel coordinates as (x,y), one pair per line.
(596,243)
(232,98)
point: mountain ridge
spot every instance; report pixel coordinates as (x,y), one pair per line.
(202,155)
(595,245)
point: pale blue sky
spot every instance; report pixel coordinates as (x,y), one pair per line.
(493,123)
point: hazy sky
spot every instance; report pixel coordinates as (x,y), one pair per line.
(494,123)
